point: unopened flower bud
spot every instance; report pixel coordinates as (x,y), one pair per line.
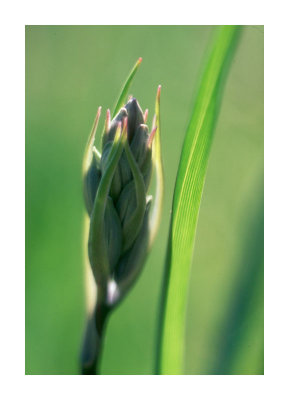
(121,224)
(122,210)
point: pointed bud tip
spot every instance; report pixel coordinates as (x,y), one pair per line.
(139,60)
(107,121)
(145,115)
(159,92)
(95,122)
(132,99)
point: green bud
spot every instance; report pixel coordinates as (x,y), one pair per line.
(116,180)
(91,181)
(126,202)
(115,192)
(113,234)
(130,265)
(135,118)
(124,170)
(139,144)
(109,136)
(122,225)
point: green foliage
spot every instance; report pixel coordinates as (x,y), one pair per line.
(186,203)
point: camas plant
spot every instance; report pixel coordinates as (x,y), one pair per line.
(121,227)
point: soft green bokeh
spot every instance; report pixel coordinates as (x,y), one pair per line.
(72,70)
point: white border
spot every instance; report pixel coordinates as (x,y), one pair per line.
(14,16)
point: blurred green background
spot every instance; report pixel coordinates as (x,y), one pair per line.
(70,71)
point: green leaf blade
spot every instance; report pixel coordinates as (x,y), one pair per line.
(124,92)
(186,203)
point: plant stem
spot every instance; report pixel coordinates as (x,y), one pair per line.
(93,339)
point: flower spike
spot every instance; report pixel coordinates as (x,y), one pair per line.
(121,227)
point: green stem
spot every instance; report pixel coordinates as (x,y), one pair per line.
(94,337)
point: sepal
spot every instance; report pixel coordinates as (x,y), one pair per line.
(132,226)
(91,180)
(131,264)
(97,246)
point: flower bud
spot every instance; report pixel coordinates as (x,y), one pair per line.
(135,118)
(121,229)
(115,193)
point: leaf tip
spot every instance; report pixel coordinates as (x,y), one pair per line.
(159,92)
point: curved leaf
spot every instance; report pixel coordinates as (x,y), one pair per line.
(186,203)
(124,92)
